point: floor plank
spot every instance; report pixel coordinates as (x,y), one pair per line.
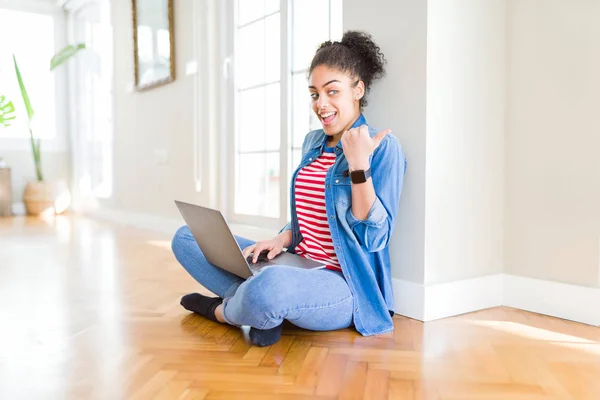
(91,310)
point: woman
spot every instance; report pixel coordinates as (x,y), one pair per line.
(344,199)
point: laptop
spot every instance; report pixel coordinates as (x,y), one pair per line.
(215,239)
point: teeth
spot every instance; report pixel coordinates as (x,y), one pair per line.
(327,114)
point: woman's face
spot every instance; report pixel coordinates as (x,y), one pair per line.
(335,98)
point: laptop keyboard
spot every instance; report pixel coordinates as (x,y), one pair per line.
(258,264)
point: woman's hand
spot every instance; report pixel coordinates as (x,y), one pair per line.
(359,145)
(274,246)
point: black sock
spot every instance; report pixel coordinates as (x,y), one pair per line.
(202,305)
(265,337)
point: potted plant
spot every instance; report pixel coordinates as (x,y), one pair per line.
(7,111)
(41,196)
(7,114)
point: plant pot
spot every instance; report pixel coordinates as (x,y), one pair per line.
(5,192)
(46,197)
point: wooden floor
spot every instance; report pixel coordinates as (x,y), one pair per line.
(90,310)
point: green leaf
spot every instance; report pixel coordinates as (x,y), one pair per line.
(35,144)
(24,94)
(65,54)
(37,158)
(7,111)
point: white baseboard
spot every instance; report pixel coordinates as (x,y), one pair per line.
(409,299)
(561,300)
(18,208)
(461,297)
(431,302)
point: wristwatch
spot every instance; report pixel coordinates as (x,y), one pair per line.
(360,175)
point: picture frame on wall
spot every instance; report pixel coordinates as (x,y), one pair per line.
(153,43)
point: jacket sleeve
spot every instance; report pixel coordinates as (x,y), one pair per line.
(388,166)
(287,227)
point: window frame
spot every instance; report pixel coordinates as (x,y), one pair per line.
(286,140)
(59,143)
(82,148)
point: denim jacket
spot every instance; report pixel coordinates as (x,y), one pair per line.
(361,245)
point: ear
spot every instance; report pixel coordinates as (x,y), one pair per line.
(359,90)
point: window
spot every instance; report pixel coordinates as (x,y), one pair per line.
(257,106)
(274,42)
(92,117)
(33,50)
(314,21)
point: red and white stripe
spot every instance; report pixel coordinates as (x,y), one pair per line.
(312,216)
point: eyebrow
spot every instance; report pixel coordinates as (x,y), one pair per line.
(330,82)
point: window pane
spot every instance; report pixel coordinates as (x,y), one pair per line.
(251,123)
(33,53)
(250,183)
(301,107)
(250,62)
(258,61)
(311,28)
(271,203)
(249,10)
(314,122)
(296,158)
(92,81)
(272,48)
(257,188)
(272,117)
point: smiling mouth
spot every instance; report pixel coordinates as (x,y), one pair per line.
(328,117)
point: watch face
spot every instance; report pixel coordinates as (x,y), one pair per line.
(358,176)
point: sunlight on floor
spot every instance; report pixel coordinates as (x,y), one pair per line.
(532,332)
(543,335)
(165,244)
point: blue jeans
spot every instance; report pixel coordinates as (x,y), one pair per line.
(318,300)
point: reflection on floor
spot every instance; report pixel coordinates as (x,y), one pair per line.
(90,310)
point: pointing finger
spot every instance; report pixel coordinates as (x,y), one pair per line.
(380,136)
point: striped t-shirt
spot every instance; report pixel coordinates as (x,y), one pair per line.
(310,209)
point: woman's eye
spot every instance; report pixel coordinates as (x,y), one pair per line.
(332,92)
(314,96)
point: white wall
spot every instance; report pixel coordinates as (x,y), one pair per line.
(398,102)
(462,75)
(153,123)
(465,136)
(441,54)
(553,140)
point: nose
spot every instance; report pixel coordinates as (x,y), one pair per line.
(321,103)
